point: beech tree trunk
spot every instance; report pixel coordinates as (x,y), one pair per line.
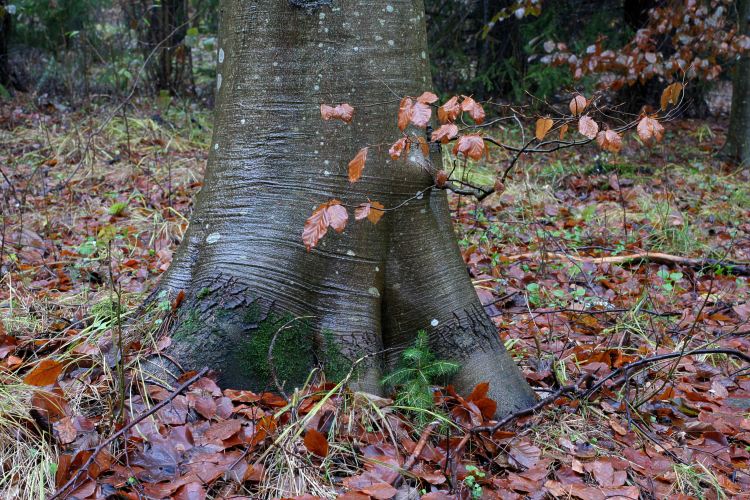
(242,263)
(737,146)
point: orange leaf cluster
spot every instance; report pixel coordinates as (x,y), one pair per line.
(330,214)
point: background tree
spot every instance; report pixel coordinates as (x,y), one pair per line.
(738,136)
(242,263)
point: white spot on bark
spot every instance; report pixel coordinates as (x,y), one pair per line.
(424,55)
(242,121)
(420,195)
(326,173)
(391,43)
(322,15)
(218,81)
(377,269)
(350,253)
(213,238)
(316,87)
(373,291)
(356,49)
(389,8)
(377,39)
(434,322)
(221,56)
(216,146)
(275,63)
(326,162)
(320,45)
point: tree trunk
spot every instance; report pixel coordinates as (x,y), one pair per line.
(737,146)
(243,266)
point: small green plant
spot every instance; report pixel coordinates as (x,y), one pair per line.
(532,292)
(416,373)
(470,481)
(117,208)
(669,280)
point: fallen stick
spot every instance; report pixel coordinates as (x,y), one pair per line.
(126,428)
(739,268)
(415,454)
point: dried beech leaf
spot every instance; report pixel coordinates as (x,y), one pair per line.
(441,177)
(357,165)
(427,98)
(404,113)
(449,111)
(609,140)
(343,112)
(472,146)
(578,104)
(650,130)
(400,146)
(420,114)
(316,443)
(445,133)
(44,373)
(475,110)
(563,131)
(376,212)
(424,146)
(671,95)
(543,125)
(329,214)
(588,127)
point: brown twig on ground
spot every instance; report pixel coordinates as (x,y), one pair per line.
(415,454)
(741,268)
(126,428)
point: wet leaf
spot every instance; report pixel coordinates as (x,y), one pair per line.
(343,112)
(671,95)
(474,109)
(404,113)
(357,165)
(650,130)
(427,98)
(578,104)
(543,125)
(609,140)
(44,373)
(471,146)
(449,111)
(420,114)
(441,177)
(373,211)
(316,443)
(445,133)
(588,127)
(398,147)
(329,214)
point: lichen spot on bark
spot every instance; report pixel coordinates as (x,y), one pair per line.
(310,5)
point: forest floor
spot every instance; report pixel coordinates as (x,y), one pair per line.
(593,266)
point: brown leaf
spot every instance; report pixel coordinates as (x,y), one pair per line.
(400,146)
(380,491)
(671,95)
(316,443)
(44,373)
(609,140)
(543,125)
(650,130)
(357,165)
(328,214)
(445,133)
(373,211)
(420,114)
(479,392)
(404,113)
(424,146)
(563,131)
(449,111)
(427,98)
(441,177)
(475,110)
(472,146)
(578,104)
(588,127)
(343,112)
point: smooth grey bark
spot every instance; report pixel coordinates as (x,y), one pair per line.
(737,146)
(273,160)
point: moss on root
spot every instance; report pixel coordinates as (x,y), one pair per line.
(296,351)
